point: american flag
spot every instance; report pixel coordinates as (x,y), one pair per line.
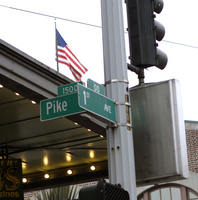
(65,56)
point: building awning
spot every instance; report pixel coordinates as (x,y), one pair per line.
(69,143)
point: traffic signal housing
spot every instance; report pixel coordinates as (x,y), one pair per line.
(103,191)
(144,30)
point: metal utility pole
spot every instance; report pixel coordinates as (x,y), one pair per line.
(119,139)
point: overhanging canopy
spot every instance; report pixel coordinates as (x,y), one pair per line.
(53,146)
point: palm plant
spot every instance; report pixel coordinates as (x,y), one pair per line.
(60,193)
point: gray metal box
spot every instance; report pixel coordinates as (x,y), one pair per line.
(159,132)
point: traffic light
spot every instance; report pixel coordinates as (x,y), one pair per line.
(103,191)
(144,30)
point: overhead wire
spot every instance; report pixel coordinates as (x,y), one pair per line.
(83,23)
(177,43)
(51,16)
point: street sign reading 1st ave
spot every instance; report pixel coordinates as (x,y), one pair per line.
(75,98)
(96,103)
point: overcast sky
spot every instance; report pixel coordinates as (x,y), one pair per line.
(35,35)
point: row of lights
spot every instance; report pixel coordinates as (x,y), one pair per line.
(33,102)
(87,129)
(17,94)
(47,176)
(69,172)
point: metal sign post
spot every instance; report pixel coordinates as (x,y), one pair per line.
(119,139)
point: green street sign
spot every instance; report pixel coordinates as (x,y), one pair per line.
(68,89)
(59,107)
(96,103)
(96,87)
(75,98)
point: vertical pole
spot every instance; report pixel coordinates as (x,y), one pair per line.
(141,76)
(119,139)
(56,48)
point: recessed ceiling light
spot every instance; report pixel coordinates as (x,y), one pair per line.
(45,160)
(76,123)
(89,129)
(92,168)
(69,172)
(1,86)
(16,93)
(68,158)
(33,102)
(91,154)
(46,176)
(24,180)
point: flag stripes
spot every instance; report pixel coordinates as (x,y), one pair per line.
(66,56)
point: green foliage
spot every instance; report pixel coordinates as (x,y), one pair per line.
(60,193)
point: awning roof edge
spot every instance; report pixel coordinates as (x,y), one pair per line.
(36,81)
(29,72)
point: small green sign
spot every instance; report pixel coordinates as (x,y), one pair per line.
(11,186)
(96,103)
(96,87)
(59,107)
(68,89)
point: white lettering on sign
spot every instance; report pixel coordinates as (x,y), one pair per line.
(86,95)
(49,106)
(70,89)
(96,88)
(56,106)
(107,108)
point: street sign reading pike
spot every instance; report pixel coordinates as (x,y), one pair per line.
(60,106)
(96,103)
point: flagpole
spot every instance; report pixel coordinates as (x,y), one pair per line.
(56,47)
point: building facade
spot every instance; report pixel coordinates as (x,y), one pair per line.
(178,190)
